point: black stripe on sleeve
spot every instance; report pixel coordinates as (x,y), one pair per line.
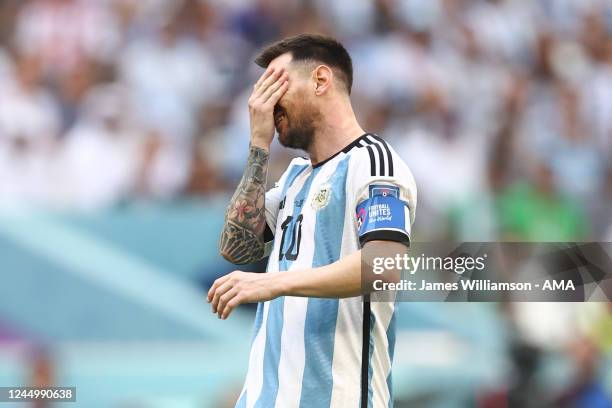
(373,140)
(381,158)
(389,155)
(372,161)
(365,351)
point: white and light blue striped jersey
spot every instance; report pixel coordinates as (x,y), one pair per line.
(318,353)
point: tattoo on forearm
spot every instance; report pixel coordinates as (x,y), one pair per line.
(242,239)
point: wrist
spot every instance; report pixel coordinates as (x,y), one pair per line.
(281,285)
(260,144)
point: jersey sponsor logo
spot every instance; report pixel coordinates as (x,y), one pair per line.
(321,197)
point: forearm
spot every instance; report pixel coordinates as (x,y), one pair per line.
(242,238)
(343,278)
(340,279)
(337,280)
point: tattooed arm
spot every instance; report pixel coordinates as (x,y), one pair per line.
(242,239)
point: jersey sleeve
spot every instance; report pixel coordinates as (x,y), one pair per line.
(383,194)
(273,204)
(273,199)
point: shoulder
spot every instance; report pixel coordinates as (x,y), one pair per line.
(374,163)
(375,157)
(295,167)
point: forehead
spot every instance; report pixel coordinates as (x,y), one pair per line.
(282,61)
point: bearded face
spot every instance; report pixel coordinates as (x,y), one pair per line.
(296,120)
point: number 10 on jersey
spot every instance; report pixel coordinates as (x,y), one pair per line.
(291,238)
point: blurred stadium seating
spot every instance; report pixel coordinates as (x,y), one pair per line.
(123,131)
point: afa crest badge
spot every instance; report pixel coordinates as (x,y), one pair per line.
(321,198)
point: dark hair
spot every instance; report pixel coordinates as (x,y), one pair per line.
(313,47)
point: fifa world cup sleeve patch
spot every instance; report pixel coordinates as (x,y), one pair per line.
(383,216)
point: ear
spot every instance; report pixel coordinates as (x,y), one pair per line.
(323,77)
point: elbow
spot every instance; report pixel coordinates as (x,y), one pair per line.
(231,258)
(240,251)
(228,252)
(226,255)
(235,258)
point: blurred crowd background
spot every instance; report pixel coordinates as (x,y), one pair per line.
(124,128)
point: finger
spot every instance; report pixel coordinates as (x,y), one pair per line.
(276,95)
(269,81)
(221,290)
(230,306)
(216,284)
(269,71)
(211,291)
(273,87)
(213,288)
(224,300)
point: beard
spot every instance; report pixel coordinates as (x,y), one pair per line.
(297,130)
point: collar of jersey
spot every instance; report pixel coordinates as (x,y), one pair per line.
(345,150)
